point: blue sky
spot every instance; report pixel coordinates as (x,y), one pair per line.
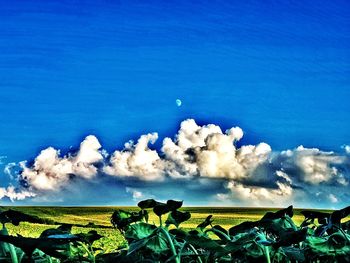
(277,69)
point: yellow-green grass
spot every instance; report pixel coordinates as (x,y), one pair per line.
(112,240)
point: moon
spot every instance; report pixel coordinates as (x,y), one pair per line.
(178,102)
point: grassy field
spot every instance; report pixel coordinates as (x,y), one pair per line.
(224,216)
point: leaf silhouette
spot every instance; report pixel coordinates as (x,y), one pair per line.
(176,217)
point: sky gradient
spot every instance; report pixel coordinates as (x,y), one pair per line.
(114,69)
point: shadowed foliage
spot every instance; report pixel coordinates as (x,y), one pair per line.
(273,238)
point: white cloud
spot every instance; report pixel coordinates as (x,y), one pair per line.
(191,135)
(136,194)
(252,174)
(254,195)
(208,152)
(196,150)
(137,160)
(333,198)
(285,176)
(8,169)
(13,194)
(315,166)
(50,171)
(87,155)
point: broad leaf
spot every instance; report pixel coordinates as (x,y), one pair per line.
(139,231)
(291,237)
(15,217)
(156,242)
(335,245)
(338,215)
(242,227)
(208,221)
(176,217)
(279,214)
(121,219)
(310,216)
(221,232)
(148,203)
(174,205)
(161,209)
(178,233)
(89,237)
(47,245)
(203,241)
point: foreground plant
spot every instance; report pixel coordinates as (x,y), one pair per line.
(273,238)
(55,243)
(321,237)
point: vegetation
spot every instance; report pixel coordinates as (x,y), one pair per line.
(166,232)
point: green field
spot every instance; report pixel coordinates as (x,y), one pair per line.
(224,216)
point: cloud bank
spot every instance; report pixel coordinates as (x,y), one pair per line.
(198,157)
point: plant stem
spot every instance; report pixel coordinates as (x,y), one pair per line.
(171,243)
(196,253)
(265,248)
(267,254)
(219,232)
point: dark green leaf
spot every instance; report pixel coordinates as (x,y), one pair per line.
(158,243)
(294,254)
(161,209)
(320,246)
(338,215)
(89,237)
(288,238)
(121,219)
(239,241)
(139,231)
(47,245)
(278,226)
(148,203)
(221,232)
(176,217)
(174,205)
(178,233)
(202,241)
(242,227)
(312,215)
(137,245)
(206,222)
(279,214)
(15,217)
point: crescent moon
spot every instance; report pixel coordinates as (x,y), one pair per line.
(178,102)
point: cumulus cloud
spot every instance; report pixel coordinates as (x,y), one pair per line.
(254,195)
(278,194)
(196,155)
(202,151)
(50,171)
(137,160)
(14,194)
(314,166)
